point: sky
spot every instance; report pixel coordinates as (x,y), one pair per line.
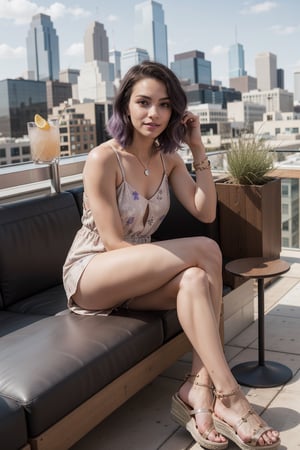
(210,26)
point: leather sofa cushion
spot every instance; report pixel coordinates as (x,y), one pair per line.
(48,302)
(35,236)
(57,363)
(13,434)
(11,322)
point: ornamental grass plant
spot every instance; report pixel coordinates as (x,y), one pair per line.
(249,160)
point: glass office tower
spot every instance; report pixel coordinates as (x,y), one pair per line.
(236,61)
(42,49)
(150,30)
(192,67)
(20,101)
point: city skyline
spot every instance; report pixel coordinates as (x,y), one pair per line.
(260,26)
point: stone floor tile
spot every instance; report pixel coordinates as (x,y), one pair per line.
(284,415)
(142,423)
(180,440)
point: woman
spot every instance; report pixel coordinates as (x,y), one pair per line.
(113,263)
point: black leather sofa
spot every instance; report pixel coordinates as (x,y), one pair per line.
(60,373)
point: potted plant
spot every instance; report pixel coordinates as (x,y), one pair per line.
(249,202)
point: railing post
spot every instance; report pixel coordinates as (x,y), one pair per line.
(54,175)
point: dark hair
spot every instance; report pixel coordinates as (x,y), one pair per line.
(119,125)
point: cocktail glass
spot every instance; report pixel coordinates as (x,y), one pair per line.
(44,143)
(45,148)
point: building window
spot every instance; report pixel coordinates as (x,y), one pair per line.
(26,150)
(285,226)
(2,153)
(15,151)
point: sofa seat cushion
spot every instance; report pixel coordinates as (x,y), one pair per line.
(55,364)
(48,302)
(11,322)
(13,433)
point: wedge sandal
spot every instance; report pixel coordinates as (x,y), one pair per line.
(231,432)
(184,415)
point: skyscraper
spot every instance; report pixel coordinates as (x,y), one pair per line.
(192,67)
(131,57)
(96,43)
(42,49)
(95,82)
(236,61)
(266,71)
(297,86)
(150,30)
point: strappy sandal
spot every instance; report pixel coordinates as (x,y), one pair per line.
(184,415)
(231,431)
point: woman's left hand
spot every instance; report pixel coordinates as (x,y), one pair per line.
(192,130)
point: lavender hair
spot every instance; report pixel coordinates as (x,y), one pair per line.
(119,125)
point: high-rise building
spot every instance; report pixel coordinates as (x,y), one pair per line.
(150,30)
(57,92)
(131,57)
(69,76)
(20,101)
(42,49)
(236,61)
(297,86)
(280,78)
(115,59)
(192,67)
(96,43)
(266,71)
(96,79)
(245,83)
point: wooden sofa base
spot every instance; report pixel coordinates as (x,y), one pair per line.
(83,419)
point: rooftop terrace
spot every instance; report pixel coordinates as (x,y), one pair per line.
(144,422)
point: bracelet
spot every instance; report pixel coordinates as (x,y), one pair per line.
(202,165)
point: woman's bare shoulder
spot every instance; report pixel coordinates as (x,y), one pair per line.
(103,152)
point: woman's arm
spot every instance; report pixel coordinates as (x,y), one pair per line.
(199,197)
(100,177)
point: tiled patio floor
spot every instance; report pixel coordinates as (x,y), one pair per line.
(144,422)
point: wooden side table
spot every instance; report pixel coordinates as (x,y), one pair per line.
(262,373)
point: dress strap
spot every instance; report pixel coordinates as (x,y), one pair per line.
(119,161)
(163,162)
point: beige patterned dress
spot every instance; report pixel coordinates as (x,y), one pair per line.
(132,207)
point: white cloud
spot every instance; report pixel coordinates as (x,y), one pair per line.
(21,11)
(7,52)
(259,8)
(218,50)
(112,18)
(76,49)
(286,30)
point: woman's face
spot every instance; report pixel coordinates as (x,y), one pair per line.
(149,107)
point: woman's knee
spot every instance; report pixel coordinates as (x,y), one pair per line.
(209,251)
(194,278)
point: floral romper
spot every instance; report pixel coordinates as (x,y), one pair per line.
(132,207)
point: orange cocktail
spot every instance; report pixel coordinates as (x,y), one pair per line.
(44,139)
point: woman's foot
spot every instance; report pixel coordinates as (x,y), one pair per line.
(199,397)
(233,409)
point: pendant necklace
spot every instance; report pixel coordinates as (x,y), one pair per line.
(146,168)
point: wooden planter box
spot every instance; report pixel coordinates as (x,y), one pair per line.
(250,219)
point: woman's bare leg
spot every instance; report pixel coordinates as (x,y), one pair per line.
(141,270)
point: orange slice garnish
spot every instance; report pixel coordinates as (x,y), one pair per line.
(41,122)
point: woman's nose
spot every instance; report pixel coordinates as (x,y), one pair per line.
(153,111)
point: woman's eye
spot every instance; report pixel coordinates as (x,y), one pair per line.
(166,105)
(143,102)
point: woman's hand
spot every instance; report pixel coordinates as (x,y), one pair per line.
(192,131)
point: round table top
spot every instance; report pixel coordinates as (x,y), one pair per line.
(257,267)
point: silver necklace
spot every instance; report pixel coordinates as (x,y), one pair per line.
(146,168)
